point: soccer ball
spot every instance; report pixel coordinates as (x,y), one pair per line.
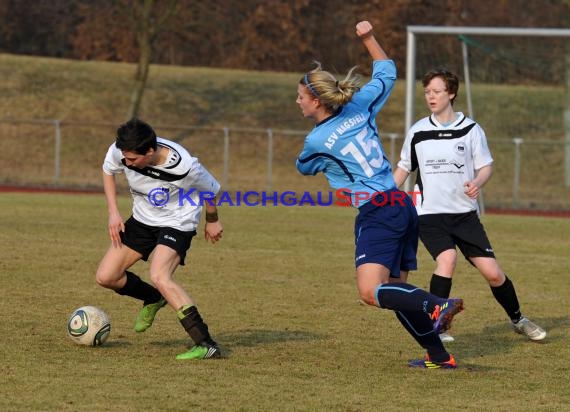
(88,325)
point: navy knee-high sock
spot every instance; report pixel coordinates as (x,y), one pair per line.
(406,297)
(420,326)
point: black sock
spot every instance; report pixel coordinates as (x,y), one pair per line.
(139,289)
(420,326)
(406,297)
(507,298)
(440,286)
(195,326)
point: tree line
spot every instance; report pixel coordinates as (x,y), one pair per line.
(283,35)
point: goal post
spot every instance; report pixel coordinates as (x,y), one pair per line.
(484,32)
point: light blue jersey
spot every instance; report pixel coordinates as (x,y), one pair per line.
(346,146)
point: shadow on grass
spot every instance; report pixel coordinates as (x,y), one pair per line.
(252,337)
(117,342)
(500,338)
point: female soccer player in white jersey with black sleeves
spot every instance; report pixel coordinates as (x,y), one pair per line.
(168,187)
(345,145)
(450,153)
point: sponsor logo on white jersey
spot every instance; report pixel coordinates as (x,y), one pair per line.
(460,149)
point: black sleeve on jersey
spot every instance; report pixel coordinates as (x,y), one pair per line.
(157,173)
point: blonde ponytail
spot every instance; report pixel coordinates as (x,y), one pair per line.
(331,92)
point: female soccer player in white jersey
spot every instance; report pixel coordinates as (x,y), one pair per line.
(166,185)
(345,146)
(450,152)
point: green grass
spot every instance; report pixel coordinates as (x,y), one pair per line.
(279,295)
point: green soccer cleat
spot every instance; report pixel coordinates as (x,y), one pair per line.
(200,352)
(147,314)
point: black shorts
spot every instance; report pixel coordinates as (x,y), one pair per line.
(445,231)
(143,238)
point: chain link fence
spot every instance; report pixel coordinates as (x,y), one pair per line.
(528,173)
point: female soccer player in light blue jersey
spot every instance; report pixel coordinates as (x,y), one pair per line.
(345,146)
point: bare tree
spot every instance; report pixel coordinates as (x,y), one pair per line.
(148,20)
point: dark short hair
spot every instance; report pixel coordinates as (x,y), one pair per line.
(136,136)
(450,79)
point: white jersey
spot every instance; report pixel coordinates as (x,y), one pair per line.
(445,157)
(178,184)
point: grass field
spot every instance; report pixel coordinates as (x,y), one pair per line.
(278,294)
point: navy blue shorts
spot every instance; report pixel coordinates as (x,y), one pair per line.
(388,234)
(144,238)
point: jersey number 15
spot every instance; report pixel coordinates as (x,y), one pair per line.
(370,147)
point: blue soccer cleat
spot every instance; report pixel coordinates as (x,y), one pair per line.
(426,363)
(443,315)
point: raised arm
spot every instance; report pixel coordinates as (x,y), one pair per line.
(364,31)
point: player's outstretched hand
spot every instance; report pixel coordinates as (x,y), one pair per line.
(364,29)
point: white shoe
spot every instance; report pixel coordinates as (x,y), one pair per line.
(532,330)
(446,337)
